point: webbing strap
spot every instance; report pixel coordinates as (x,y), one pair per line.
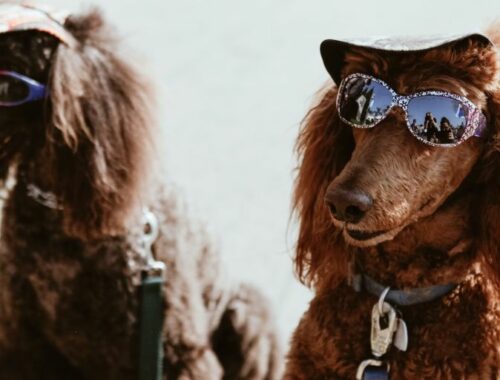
(150,329)
(406,297)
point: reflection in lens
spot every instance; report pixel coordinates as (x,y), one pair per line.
(12,90)
(364,101)
(437,119)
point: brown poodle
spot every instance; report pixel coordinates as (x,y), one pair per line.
(380,203)
(71,254)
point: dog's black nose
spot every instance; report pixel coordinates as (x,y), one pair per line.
(348,205)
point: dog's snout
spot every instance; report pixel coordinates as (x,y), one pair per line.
(348,205)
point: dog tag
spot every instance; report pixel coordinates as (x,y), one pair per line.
(384,325)
(401,337)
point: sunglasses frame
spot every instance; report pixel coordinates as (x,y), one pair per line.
(476,120)
(36,89)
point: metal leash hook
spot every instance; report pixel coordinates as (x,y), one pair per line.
(373,369)
(152,306)
(386,329)
(398,331)
(151,230)
(381,300)
(384,325)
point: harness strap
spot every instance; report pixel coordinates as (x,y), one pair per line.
(402,297)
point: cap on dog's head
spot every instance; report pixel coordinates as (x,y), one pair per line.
(334,52)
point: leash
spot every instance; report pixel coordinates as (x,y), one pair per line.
(151,327)
(387,325)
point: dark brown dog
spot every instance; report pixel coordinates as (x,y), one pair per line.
(424,216)
(71,253)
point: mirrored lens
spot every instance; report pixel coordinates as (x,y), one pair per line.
(437,119)
(12,90)
(364,101)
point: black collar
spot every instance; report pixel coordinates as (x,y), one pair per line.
(405,297)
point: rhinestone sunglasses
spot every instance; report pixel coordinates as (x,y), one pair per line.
(436,118)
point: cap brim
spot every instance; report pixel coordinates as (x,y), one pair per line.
(333,52)
(17,18)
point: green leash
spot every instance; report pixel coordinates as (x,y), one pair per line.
(152,309)
(150,329)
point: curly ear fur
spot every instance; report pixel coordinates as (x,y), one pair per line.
(321,256)
(489,187)
(488,184)
(488,212)
(98,131)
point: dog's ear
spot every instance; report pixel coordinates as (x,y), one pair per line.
(488,211)
(98,130)
(324,146)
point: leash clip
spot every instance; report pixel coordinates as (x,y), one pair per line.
(152,304)
(384,325)
(154,267)
(372,369)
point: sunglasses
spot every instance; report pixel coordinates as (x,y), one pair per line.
(17,89)
(436,118)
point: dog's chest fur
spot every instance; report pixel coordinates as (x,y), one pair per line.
(82,297)
(448,338)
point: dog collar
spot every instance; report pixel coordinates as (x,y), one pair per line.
(394,332)
(405,297)
(45,198)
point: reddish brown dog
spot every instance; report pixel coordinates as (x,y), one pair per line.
(434,219)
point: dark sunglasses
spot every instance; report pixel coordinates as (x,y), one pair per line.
(17,89)
(437,118)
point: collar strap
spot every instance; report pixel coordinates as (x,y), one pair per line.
(45,198)
(406,297)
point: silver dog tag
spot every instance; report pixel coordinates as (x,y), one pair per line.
(384,325)
(401,337)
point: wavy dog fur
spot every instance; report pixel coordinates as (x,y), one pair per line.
(69,298)
(440,213)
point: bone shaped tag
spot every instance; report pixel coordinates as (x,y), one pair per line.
(384,325)
(401,337)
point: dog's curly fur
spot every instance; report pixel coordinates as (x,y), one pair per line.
(439,208)
(68,298)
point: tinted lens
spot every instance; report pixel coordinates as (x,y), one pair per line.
(12,90)
(364,101)
(437,119)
